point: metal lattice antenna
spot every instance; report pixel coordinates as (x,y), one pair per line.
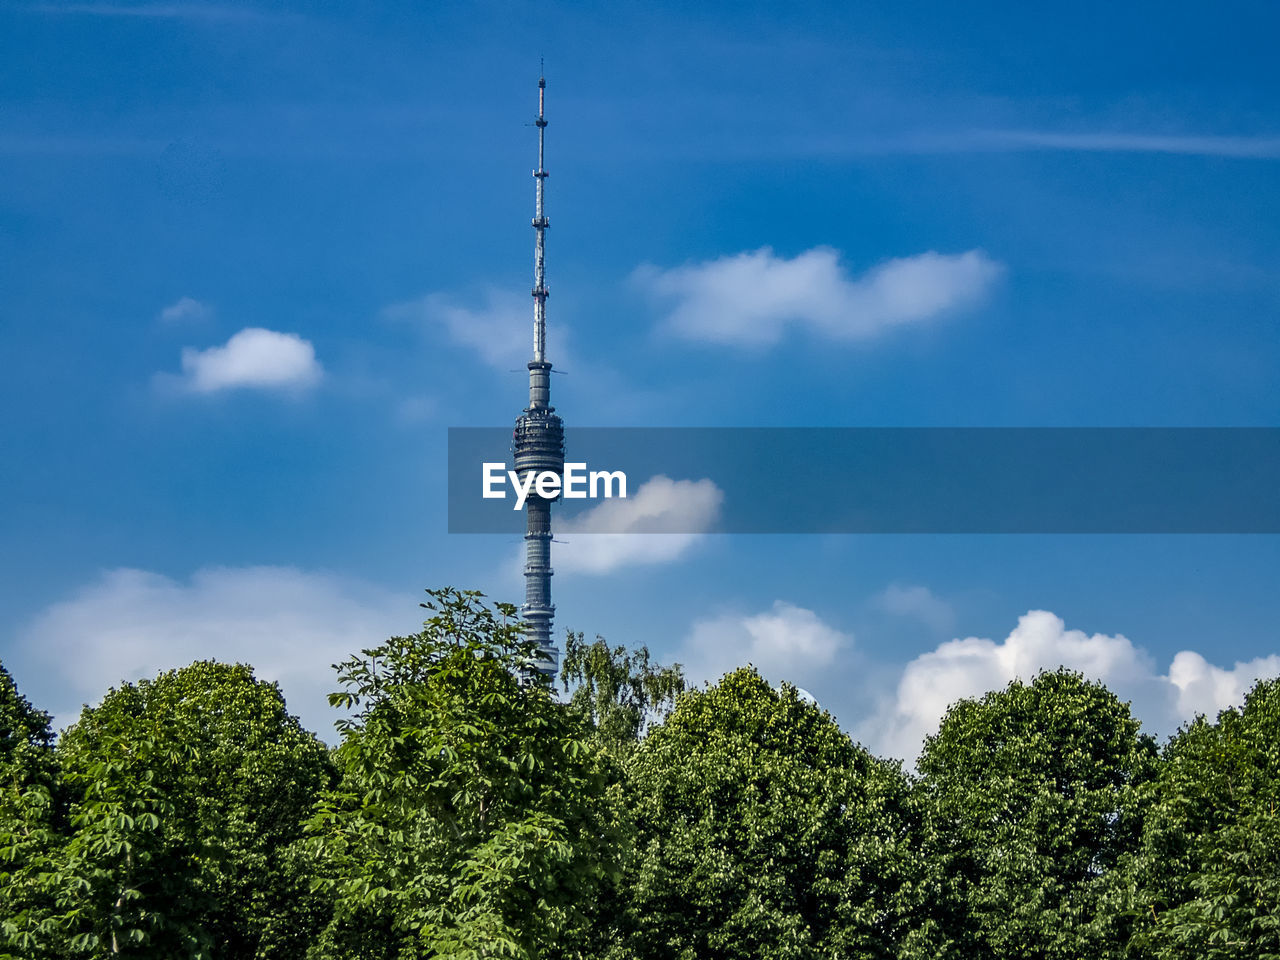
(540,224)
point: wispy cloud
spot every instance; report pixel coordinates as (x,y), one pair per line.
(128,624)
(1245,147)
(210,12)
(498,329)
(38,145)
(752,299)
(658,523)
(186,310)
(927,141)
(252,358)
(917,603)
(785,642)
(415,409)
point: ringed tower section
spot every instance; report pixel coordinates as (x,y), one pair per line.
(538,441)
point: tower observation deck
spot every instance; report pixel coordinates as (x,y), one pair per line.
(538,441)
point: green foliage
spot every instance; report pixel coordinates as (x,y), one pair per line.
(469,814)
(620,694)
(761,830)
(470,821)
(185,792)
(1027,800)
(617,691)
(28,823)
(1208,877)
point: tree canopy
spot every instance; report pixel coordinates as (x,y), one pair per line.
(618,691)
(1207,882)
(471,819)
(761,830)
(468,811)
(1027,800)
(183,794)
(29,788)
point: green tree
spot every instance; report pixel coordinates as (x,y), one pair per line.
(619,691)
(1207,881)
(28,823)
(761,830)
(185,794)
(1028,803)
(471,818)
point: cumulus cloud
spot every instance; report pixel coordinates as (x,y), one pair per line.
(186,310)
(972,666)
(129,624)
(499,330)
(252,358)
(751,299)
(658,523)
(785,642)
(917,603)
(892,708)
(1203,688)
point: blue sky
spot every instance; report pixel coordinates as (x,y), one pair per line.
(761,215)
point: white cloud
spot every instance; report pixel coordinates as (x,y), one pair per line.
(186,310)
(658,523)
(751,299)
(784,643)
(892,709)
(254,357)
(972,666)
(918,603)
(1203,688)
(289,624)
(500,330)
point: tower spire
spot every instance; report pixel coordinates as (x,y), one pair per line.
(538,441)
(540,224)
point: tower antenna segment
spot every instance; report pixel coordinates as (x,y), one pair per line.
(538,441)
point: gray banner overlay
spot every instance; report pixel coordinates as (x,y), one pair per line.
(899,480)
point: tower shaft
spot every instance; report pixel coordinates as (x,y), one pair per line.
(538,442)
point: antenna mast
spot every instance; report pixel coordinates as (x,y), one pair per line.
(540,224)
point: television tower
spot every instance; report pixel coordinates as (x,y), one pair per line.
(538,441)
